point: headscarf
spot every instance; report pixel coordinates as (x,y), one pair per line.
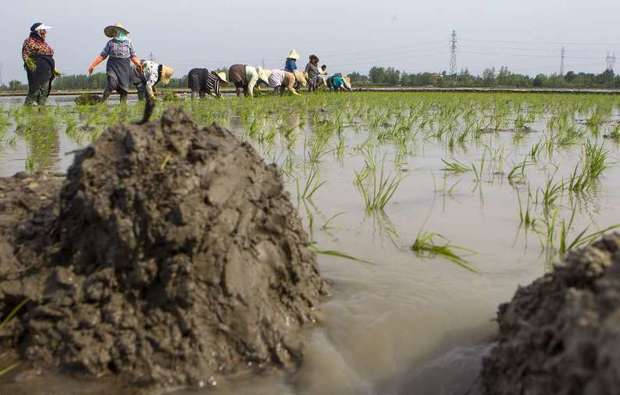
(122,36)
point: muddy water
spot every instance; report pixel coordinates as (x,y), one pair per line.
(401,324)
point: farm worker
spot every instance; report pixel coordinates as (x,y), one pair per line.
(291,61)
(313,72)
(244,77)
(39,63)
(152,74)
(121,54)
(339,83)
(282,80)
(202,82)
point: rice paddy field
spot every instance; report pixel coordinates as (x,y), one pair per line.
(427,210)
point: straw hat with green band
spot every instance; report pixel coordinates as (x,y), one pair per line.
(111,30)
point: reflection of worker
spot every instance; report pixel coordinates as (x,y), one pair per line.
(291,61)
(121,54)
(244,77)
(202,82)
(152,74)
(39,64)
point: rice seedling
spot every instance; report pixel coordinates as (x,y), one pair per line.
(338,254)
(455,167)
(431,245)
(377,188)
(310,186)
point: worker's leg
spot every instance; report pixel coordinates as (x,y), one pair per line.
(252,76)
(43,94)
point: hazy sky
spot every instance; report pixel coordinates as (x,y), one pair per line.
(525,35)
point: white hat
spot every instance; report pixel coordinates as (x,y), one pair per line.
(43,27)
(264,74)
(222,76)
(293,55)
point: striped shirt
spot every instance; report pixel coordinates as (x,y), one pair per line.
(213,85)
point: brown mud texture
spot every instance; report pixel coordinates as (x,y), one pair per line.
(561,335)
(170,255)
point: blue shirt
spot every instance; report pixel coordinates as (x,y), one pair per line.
(291,65)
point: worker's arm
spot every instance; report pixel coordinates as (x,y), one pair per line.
(96,62)
(136,62)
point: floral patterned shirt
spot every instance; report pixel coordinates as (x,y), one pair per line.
(151,72)
(36,46)
(118,49)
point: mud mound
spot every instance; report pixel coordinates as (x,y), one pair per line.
(178,258)
(561,335)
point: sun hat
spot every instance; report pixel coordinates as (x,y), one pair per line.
(222,76)
(166,74)
(39,26)
(111,30)
(300,77)
(293,55)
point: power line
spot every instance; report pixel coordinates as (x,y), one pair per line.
(453,53)
(563,56)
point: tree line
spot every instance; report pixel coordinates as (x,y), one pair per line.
(490,78)
(389,76)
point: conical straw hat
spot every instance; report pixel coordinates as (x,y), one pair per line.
(111,30)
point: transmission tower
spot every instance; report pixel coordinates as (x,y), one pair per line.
(151,57)
(1,81)
(610,60)
(562,62)
(453,53)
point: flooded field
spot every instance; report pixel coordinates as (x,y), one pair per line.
(427,210)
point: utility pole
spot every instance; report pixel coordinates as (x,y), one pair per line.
(610,60)
(263,62)
(453,53)
(152,57)
(562,61)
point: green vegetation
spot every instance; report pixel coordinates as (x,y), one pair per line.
(555,152)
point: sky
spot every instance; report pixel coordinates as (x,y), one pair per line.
(348,35)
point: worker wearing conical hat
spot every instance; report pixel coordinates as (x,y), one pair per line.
(120,54)
(291,61)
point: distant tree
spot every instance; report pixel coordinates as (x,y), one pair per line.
(539,81)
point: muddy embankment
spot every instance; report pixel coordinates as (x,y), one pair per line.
(169,255)
(561,335)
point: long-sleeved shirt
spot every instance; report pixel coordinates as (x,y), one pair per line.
(118,49)
(35,45)
(213,85)
(291,65)
(150,70)
(312,70)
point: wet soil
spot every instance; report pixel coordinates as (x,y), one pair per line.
(169,256)
(561,335)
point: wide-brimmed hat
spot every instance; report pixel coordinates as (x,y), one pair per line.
(111,30)
(293,55)
(166,74)
(300,77)
(39,26)
(222,76)
(264,74)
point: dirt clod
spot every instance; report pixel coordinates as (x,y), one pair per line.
(561,335)
(171,255)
